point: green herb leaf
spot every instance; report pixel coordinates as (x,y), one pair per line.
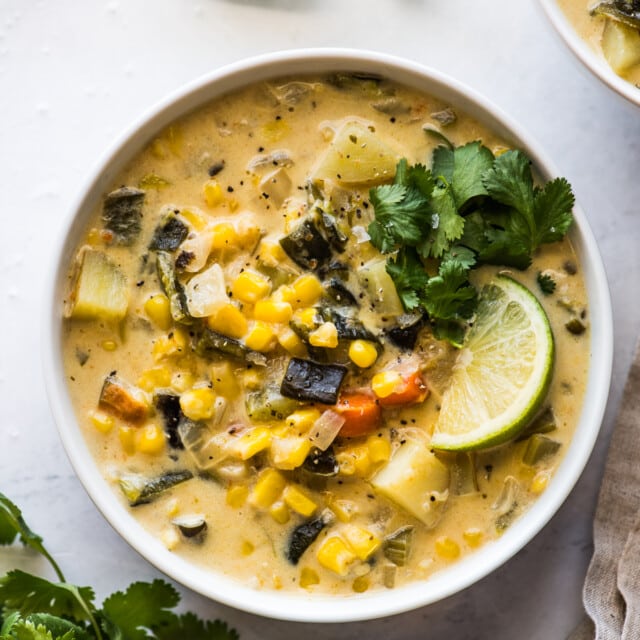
(27,630)
(190,627)
(446,227)
(463,168)
(12,525)
(449,296)
(409,276)
(547,283)
(143,606)
(29,594)
(402,209)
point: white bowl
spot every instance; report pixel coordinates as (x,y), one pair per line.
(295,606)
(593,59)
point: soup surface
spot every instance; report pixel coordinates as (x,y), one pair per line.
(252,380)
(617,40)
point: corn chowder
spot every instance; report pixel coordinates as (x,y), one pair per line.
(258,357)
(611,28)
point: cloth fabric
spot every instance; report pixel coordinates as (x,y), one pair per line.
(611,592)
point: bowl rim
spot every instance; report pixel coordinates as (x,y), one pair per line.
(281,604)
(595,63)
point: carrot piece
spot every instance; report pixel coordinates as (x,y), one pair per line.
(361,414)
(412,391)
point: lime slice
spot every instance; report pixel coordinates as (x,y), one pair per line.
(502,373)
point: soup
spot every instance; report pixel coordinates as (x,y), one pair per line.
(611,28)
(270,312)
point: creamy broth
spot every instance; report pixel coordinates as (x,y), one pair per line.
(590,28)
(210,166)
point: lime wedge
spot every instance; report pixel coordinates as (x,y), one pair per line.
(502,373)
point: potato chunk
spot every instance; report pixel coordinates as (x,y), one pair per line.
(620,45)
(416,481)
(357,156)
(99,289)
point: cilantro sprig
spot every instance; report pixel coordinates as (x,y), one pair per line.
(33,608)
(470,208)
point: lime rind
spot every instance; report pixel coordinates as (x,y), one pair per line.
(503,371)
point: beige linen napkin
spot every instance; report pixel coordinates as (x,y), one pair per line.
(611,592)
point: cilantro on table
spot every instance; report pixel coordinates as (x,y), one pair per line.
(470,208)
(33,608)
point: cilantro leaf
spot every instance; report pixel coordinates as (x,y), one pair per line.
(536,215)
(546,282)
(409,276)
(401,209)
(552,210)
(463,168)
(42,626)
(12,525)
(446,226)
(190,627)
(143,606)
(464,256)
(449,296)
(29,594)
(27,630)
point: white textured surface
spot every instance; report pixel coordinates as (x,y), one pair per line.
(74,74)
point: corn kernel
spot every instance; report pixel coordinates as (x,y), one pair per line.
(289,340)
(385,383)
(247,548)
(225,382)
(307,289)
(212,192)
(267,489)
(362,541)
(224,236)
(307,317)
(363,353)
(308,577)
(298,501)
(302,420)
(279,512)
(274,130)
(172,508)
(252,442)
(344,509)
(252,380)
(182,380)
(260,337)
(271,253)
(158,309)
(170,539)
(173,344)
(360,584)
(198,403)
(109,345)
(248,232)
(379,449)
(93,237)
(326,335)
(156,377)
(334,555)
(196,219)
(539,482)
(447,548)
(150,440)
(472,536)
(236,495)
(101,421)
(127,437)
(250,287)
(355,460)
(229,321)
(290,452)
(272,311)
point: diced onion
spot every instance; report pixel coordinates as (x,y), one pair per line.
(360,234)
(325,429)
(206,292)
